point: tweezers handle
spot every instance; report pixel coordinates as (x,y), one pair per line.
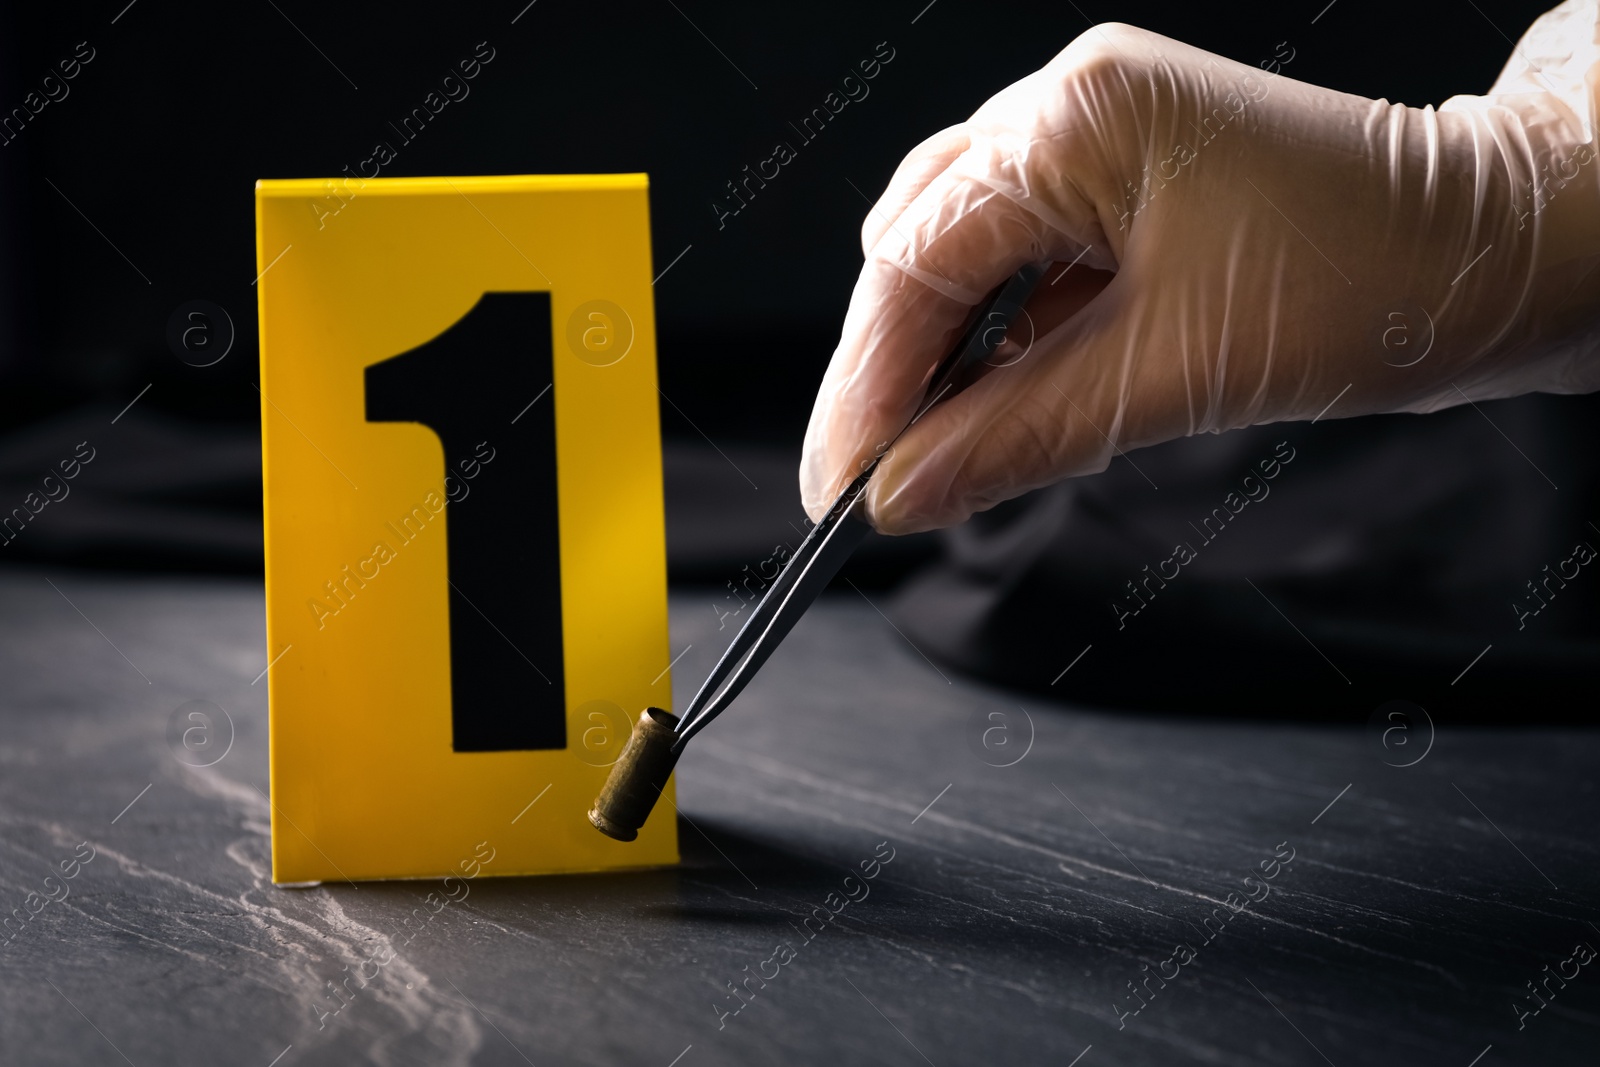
(985,333)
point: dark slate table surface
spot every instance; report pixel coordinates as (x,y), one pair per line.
(1020,903)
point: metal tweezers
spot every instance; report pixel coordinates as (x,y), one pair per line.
(831,541)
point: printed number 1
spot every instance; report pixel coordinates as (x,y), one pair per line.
(507,687)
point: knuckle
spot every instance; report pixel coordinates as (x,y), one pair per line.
(1109,49)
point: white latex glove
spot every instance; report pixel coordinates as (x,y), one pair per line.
(1246,247)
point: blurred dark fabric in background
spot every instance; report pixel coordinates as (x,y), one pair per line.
(1377,564)
(131,194)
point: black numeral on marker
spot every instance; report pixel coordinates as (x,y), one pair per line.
(507,686)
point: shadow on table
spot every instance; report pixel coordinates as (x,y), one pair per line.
(720,873)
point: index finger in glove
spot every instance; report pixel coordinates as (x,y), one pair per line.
(958,239)
(921,165)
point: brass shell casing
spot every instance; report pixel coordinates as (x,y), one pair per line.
(638,776)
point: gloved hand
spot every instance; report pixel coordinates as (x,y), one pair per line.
(1246,249)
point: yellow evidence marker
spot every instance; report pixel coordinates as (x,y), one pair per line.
(465,552)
